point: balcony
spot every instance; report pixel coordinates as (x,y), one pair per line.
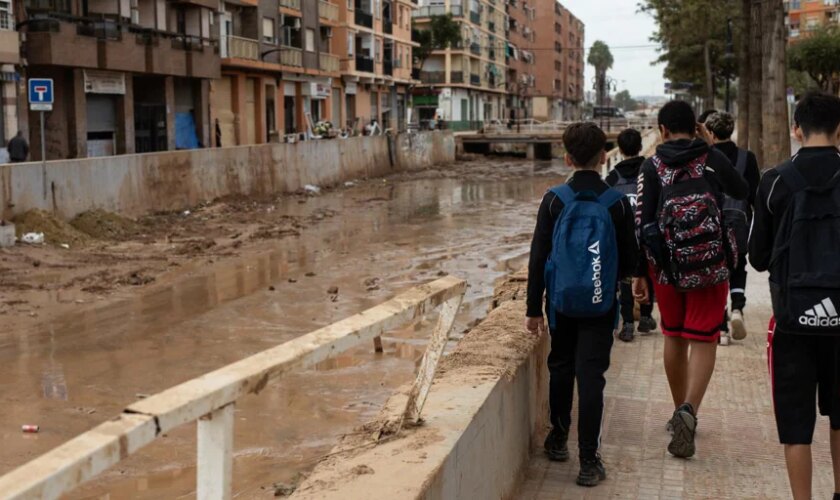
(491,26)
(475,80)
(433,77)
(290,4)
(364,64)
(387,27)
(328,11)
(475,49)
(241,48)
(9,41)
(437,10)
(329,63)
(388,68)
(291,56)
(456,77)
(475,17)
(364,19)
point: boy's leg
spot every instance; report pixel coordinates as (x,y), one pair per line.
(672,312)
(702,328)
(835,458)
(627,302)
(701,365)
(595,342)
(798,461)
(738,284)
(561,369)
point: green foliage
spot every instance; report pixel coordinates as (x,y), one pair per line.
(818,56)
(440,33)
(624,101)
(600,57)
(685,27)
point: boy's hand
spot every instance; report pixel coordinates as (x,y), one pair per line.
(536,326)
(640,290)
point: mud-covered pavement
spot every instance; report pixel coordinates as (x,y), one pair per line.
(90,329)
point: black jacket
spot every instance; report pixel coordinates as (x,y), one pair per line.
(550,209)
(752,174)
(629,169)
(676,154)
(818,166)
(18,149)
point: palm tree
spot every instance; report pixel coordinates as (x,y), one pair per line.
(602,59)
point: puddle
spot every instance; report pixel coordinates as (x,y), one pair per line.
(86,367)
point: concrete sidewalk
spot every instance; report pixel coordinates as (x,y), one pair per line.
(738,455)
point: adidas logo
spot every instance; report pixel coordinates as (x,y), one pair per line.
(822,315)
(598,296)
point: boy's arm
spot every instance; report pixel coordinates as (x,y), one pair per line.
(730,180)
(540,249)
(762,236)
(628,243)
(753,175)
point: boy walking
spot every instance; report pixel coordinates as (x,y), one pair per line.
(796,236)
(717,131)
(624,178)
(587,229)
(689,256)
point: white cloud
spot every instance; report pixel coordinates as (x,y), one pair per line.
(619,24)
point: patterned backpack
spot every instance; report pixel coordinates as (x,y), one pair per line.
(698,249)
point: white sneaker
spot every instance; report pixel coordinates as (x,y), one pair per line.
(724,338)
(739,330)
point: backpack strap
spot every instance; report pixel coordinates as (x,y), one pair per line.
(741,164)
(565,193)
(792,176)
(610,197)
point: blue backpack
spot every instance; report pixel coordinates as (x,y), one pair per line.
(581,275)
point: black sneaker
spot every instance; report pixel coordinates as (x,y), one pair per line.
(684,425)
(592,472)
(556,445)
(647,325)
(627,333)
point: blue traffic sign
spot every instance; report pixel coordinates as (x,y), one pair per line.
(40,91)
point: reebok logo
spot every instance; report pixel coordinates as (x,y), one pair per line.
(595,249)
(822,315)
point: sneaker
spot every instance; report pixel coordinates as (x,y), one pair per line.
(739,330)
(556,444)
(627,333)
(684,424)
(647,325)
(724,338)
(592,472)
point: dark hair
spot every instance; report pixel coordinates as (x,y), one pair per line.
(818,113)
(721,124)
(678,118)
(705,115)
(630,142)
(584,142)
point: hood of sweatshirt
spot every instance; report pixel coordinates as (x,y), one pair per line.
(629,168)
(681,152)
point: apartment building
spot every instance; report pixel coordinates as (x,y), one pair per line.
(466,84)
(560,63)
(804,16)
(9,77)
(520,58)
(130,75)
(279,69)
(374,40)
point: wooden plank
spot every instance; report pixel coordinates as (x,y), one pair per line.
(215,455)
(200,396)
(71,464)
(428,366)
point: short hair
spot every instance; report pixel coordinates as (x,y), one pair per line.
(630,142)
(818,113)
(584,142)
(722,125)
(678,118)
(705,115)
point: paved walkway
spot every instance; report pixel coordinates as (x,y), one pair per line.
(738,455)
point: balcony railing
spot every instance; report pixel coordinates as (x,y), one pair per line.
(456,77)
(290,4)
(475,49)
(364,64)
(475,17)
(241,48)
(475,80)
(330,63)
(387,27)
(438,10)
(291,56)
(432,77)
(327,10)
(363,18)
(388,68)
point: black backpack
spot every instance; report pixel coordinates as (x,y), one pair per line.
(737,214)
(628,186)
(805,266)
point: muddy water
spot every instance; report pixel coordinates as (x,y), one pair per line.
(86,367)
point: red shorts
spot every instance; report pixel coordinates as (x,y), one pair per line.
(693,315)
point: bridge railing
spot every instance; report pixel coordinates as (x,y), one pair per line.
(650,138)
(209,400)
(530,125)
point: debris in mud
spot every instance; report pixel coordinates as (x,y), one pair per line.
(196,246)
(30,429)
(361,470)
(292,280)
(441,273)
(483,266)
(372,284)
(55,230)
(284,490)
(310,274)
(33,238)
(137,278)
(311,189)
(102,225)
(333,290)
(267,232)
(271,288)
(36,263)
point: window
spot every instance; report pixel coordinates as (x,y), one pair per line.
(268,30)
(377,8)
(349,4)
(378,50)
(351,39)
(310,40)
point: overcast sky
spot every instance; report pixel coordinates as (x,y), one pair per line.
(618,23)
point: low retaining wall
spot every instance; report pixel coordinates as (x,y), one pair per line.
(483,418)
(136,184)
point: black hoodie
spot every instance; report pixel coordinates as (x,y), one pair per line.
(629,169)
(676,154)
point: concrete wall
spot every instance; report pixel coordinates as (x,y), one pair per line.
(136,184)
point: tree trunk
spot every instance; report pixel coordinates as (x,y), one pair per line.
(744,75)
(755,113)
(776,130)
(710,78)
